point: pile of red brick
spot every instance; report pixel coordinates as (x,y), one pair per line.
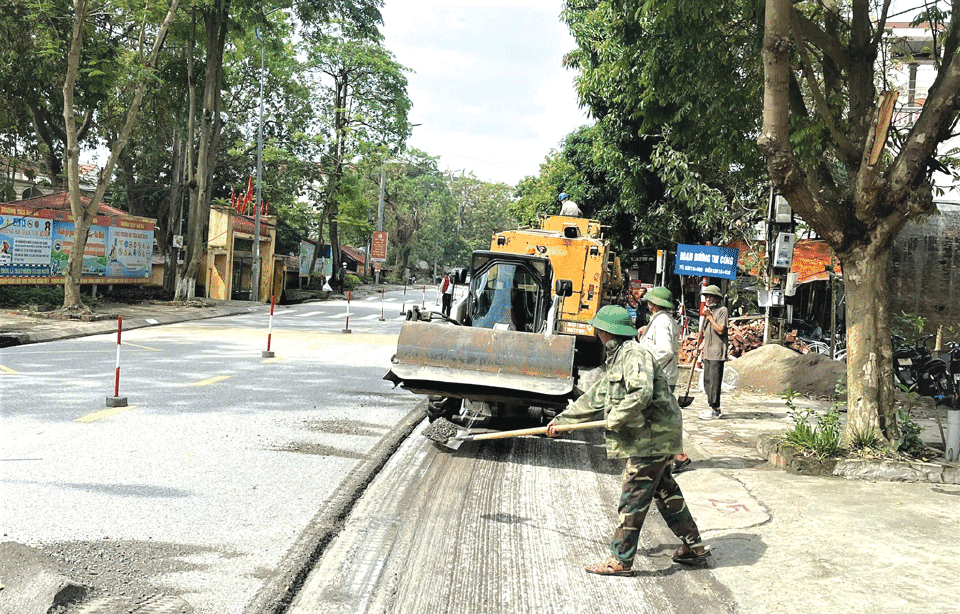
(744,335)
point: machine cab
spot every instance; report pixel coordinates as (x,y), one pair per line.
(509,291)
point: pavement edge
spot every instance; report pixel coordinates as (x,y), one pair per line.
(276,595)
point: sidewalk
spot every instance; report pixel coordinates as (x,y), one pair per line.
(20,327)
(784,542)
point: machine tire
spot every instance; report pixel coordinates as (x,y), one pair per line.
(442,407)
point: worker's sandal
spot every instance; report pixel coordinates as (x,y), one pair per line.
(610,567)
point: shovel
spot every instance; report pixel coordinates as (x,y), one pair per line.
(686,399)
(440,432)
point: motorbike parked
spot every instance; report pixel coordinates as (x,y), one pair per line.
(953,368)
(916,369)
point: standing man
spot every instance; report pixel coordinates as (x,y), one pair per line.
(714,349)
(661,337)
(341,278)
(567,206)
(643,426)
(446,294)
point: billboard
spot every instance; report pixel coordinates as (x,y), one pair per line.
(378,246)
(707,261)
(36,244)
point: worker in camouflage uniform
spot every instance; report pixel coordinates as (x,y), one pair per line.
(643,426)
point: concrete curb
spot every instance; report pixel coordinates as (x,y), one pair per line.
(788,458)
(296,564)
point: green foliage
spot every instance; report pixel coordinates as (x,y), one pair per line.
(19,296)
(869,442)
(673,145)
(910,430)
(819,434)
(908,325)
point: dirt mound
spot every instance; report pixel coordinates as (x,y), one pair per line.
(772,369)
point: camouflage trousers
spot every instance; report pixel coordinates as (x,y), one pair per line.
(644,480)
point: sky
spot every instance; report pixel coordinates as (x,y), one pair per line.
(486,82)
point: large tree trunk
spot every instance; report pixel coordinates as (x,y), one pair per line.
(869,351)
(175,209)
(83,214)
(215,23)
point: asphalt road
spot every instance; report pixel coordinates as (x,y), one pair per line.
(197,489)
(499,526)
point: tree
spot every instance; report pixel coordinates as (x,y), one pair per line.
(825,141)
(361,101)
(670,158)
(819,135)
(144,61)
(482,208)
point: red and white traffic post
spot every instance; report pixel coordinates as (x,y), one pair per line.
(116,400)
(346,328)
(267,353)
(382,291)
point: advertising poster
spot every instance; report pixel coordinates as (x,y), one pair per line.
(94,256)
(323,266)
(129,254)
(24,243)
(35,246)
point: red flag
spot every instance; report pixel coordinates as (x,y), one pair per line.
(249,196)
(233,197)
(266,207)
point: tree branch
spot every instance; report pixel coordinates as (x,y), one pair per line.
(811,31)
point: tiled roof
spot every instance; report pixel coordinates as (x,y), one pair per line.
(61,202)
(354,254)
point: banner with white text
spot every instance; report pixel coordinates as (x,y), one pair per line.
(707,261)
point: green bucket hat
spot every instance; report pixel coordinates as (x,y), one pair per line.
(661,297)
(614,320)
(714,290)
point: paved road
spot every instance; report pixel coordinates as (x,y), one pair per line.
(198,488)
(495,527)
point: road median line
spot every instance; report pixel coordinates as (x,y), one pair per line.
(211,380)
(103,413)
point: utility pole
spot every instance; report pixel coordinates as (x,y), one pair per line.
(255,267)
(383,187)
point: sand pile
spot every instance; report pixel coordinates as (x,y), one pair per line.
(772,369)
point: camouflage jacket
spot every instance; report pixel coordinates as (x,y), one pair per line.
(633,396)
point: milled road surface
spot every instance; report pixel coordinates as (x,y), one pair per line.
(496,527)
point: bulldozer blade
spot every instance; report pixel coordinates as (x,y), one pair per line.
(483,364)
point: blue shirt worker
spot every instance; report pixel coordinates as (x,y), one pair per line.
(643,426)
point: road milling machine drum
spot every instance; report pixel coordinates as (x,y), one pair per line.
(520,335)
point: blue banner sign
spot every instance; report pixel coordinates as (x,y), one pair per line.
(707,261)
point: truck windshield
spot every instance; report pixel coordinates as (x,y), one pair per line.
(506,298)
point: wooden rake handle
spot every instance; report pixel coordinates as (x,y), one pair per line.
(540,430)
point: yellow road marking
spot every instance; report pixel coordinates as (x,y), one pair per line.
(143,347)
(104,413)
(274,359)
(8,370)
(211,380)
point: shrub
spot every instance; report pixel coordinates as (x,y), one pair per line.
(819,434)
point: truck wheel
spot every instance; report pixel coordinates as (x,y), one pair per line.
(442,407)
